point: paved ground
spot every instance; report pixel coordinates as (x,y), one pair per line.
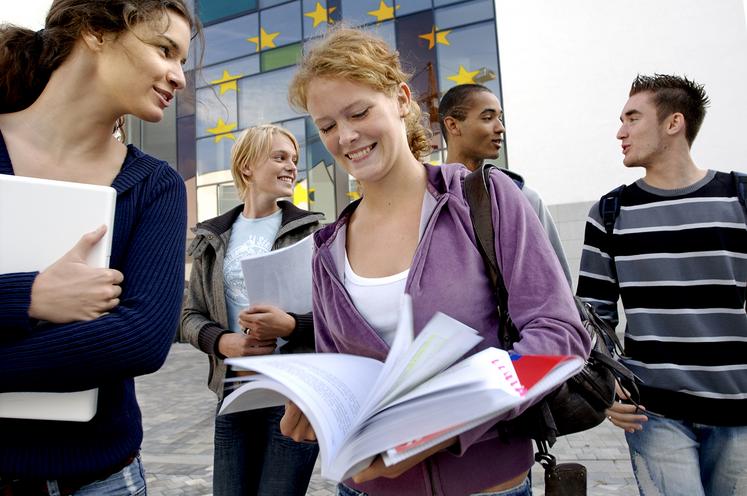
(178,414)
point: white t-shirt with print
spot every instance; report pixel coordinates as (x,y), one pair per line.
(249,237)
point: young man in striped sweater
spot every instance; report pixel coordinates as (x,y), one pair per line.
(678,259)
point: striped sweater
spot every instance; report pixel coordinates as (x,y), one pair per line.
(678,260)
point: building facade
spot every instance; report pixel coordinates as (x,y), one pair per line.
(562,70)
(250,51)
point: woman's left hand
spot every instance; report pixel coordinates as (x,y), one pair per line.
(378,469)
(266,322)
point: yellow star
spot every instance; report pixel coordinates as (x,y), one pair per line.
(320,14)
(264,40)
(464,76)
(384,12)
(435,37)
(227,82)
(222,130)
(300,194)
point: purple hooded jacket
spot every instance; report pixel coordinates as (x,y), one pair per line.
(447,275)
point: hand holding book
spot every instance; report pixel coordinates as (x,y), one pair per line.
(360,408)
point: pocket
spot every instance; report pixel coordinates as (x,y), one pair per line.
(129,481)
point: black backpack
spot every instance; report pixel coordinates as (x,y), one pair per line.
(580,403)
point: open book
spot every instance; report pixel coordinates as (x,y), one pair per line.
(360,408)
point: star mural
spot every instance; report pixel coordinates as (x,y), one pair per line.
(384,12)
(227,82)
(264,40)
(320,14)
(464,76)
(222,130)
(436,37)
(301,195)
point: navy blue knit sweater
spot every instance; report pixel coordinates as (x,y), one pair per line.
(134,339)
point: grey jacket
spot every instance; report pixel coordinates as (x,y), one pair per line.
(204,316)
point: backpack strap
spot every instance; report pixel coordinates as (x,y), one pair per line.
(609,208)
(476,192)
(740,183)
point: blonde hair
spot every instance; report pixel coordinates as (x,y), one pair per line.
(253,146)
(361,57)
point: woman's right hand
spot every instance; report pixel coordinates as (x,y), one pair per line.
(234,344)
(69,290)
(295,425)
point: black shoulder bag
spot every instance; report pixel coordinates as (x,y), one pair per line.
(580,402)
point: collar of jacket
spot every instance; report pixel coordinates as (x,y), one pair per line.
(292,217)
(440,180)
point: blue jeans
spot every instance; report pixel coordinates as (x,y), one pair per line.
(523,489)
(252,456)
(674,457)
(130,481)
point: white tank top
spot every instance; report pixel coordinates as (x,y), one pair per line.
(377,299)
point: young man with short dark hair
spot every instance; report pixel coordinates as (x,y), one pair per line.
(471,120)
(677,257)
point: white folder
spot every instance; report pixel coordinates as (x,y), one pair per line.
(41,220)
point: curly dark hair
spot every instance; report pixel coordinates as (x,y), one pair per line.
(675,94)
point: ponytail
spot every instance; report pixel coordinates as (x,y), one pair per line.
(23,74)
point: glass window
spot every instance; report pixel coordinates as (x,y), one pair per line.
(281,25)
(264,98)
(158,137)
(438,3)
(245,66)
(281,57)
(229,40)
(211,10)
(263,4)
(320,164)
(360,12)
(316,16)
(465,61)
(228,197)
(384,30)
(194,53)
(466,13)
(185,142)
(417,39)
(214,153)
(409,6)
(185,100)
(216,113)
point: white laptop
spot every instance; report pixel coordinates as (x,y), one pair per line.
(41,220)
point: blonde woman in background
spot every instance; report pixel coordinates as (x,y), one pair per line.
(251,456)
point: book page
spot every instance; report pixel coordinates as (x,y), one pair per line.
(442,341)
(328,387)
(281,277)
(521,378)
